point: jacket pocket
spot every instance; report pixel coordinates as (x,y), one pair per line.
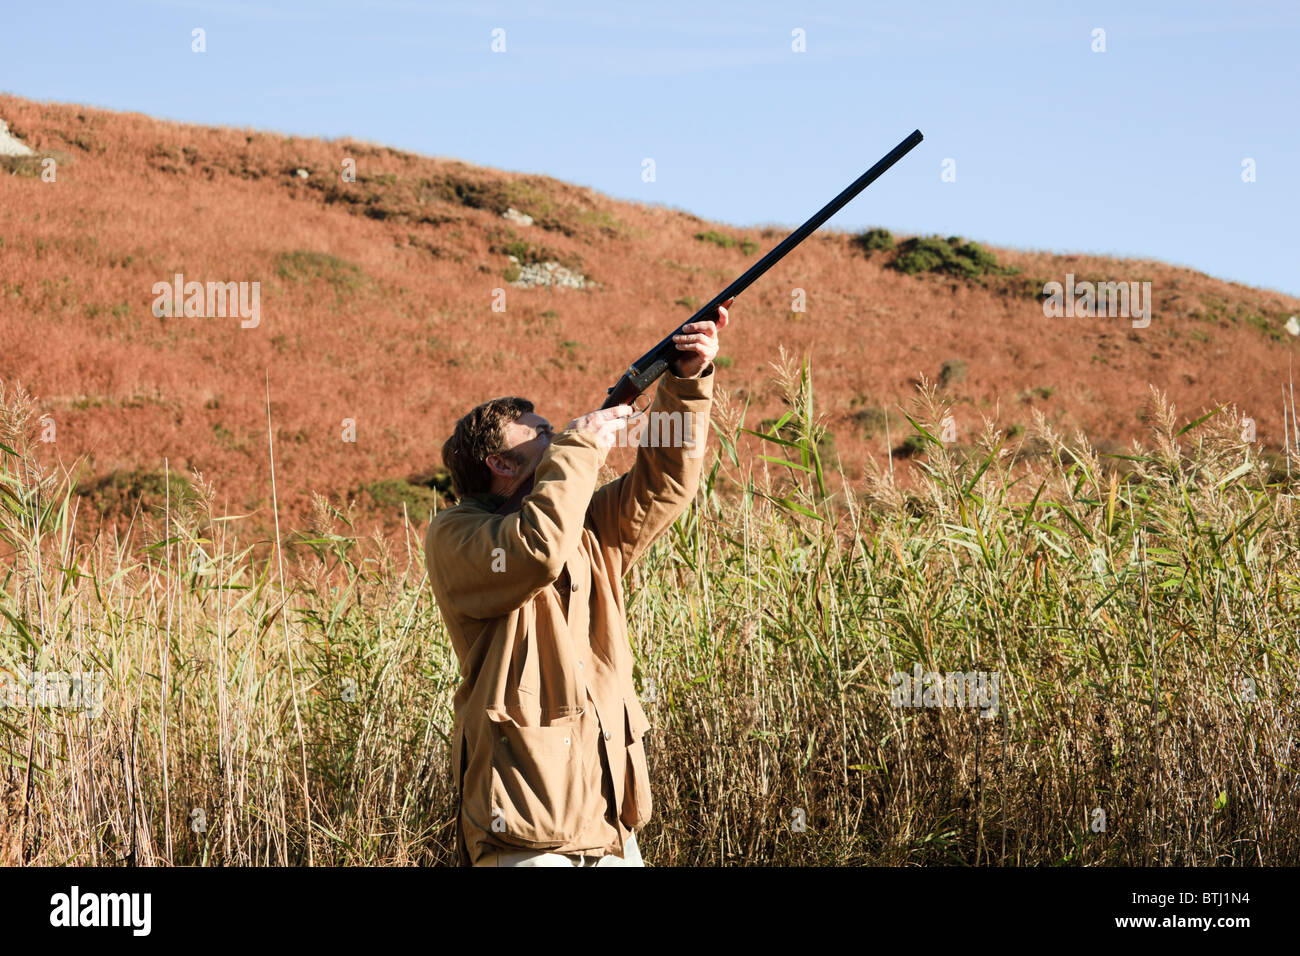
(537,781)
(637,804)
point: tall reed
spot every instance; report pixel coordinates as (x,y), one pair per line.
(1139,614)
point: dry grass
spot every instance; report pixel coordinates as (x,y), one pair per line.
(1142,624)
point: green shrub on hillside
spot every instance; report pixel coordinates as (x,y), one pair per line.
(747,246)
(872,420)
(951,256)
(1217,309)
(420,501)
(953,371)
(874,240)
(914,444)
(506,242)
(27,166)
(305,266)
(465,192)
(122,491)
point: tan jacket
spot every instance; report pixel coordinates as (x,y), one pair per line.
(548,741)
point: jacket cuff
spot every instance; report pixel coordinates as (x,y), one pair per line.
(575,438)
(689,388)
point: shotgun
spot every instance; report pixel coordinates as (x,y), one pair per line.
(646,370)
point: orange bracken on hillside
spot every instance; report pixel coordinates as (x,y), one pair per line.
(377,306)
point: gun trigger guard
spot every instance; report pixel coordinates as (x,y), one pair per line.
(636,403)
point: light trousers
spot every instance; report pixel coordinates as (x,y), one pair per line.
(631,857)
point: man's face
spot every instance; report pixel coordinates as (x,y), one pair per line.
(528,438)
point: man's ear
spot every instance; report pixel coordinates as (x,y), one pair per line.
(501,466)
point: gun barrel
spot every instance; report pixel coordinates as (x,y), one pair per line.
(653,364)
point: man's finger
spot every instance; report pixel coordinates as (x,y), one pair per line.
(602,415)
(607,434)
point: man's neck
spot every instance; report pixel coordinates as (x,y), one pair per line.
(515,501)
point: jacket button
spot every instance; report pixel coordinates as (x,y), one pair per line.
(607,735)
(580,665)
(573,587)
(566,741)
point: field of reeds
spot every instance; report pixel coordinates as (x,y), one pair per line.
(288,702)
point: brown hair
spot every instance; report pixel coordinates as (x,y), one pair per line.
(479,434)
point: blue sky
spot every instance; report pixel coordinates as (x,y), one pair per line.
(1136,151)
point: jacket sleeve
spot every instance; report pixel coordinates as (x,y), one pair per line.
(632,511)
(486,566)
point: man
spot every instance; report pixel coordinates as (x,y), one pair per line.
(548,746)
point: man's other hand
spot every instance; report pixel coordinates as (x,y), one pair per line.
(604,423)
(698,341)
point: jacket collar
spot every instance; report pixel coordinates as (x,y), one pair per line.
(499,504)
(487,501)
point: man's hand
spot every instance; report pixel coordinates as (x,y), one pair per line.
(604,423)
(699,340)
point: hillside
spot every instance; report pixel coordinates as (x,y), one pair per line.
(376,305)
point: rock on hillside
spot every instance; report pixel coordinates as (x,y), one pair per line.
(11,145)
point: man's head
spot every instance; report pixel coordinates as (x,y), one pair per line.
(496,447)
